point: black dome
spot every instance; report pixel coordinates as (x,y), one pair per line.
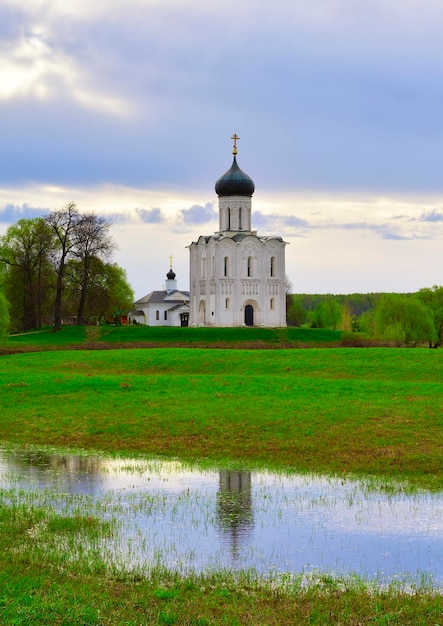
(234,182)
(171,274)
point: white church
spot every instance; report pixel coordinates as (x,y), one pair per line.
(166,307)
(237,278)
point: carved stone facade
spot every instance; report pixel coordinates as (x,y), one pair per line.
(237,278)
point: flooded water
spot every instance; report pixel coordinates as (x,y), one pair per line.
(173,515)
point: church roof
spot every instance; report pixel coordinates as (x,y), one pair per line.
(234,182)
(156,297)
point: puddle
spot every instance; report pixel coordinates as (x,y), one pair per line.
(169,514)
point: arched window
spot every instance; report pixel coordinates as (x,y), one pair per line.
(239,219)
(227,303)
(226,266)
(272,265)
(271,303)
(166,315)
(157,315)
(229,218)
(249,265)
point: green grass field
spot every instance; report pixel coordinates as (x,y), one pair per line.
(349,411)
(364,411)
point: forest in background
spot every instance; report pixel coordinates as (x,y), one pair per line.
(400,319)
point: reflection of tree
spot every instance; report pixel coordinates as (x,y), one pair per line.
(77,474)
(234,506)
(70,464)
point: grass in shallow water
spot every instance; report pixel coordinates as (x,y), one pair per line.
(42,586)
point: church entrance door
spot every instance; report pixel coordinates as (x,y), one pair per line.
(249,315)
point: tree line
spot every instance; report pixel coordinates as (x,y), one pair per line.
(400,319)
(60,266)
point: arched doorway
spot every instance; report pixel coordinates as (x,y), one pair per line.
(249,315)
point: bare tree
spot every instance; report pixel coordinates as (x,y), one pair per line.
(64,223)
(92,241)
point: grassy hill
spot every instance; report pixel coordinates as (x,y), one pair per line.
(145,336)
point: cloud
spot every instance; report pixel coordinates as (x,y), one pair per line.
(36,64)
(273,221)
(11,213)
(386,232)
(346,94)
(397,232)
(199,214)
(431,216)
(295,222)
(150,216)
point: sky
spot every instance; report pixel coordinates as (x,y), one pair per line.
(128,108)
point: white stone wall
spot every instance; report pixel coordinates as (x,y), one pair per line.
(150,317)
(235,214)
(228,275)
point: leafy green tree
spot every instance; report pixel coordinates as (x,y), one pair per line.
(365,323)
(120,293)
(118,296)
(108,289)
(433,299)
(296,315)
(327,314)
(24,252)
(348,320)
(4,316)
(404,320)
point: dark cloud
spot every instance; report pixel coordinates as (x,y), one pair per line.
(11,19)
(147,216)
(431,216)
(274,221)
(261,220)
(294,221)
(334,114)
(150,216)
(385,232)
(355,226)
(118,218)
(11,213)
(198,214)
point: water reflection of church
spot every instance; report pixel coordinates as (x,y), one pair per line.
(234,507)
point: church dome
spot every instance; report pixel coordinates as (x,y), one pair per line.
(234,182)
(171,274)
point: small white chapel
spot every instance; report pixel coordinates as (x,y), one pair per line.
(237,278)
(166,307)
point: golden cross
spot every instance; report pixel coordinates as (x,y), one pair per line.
(235,137)
(170,261)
